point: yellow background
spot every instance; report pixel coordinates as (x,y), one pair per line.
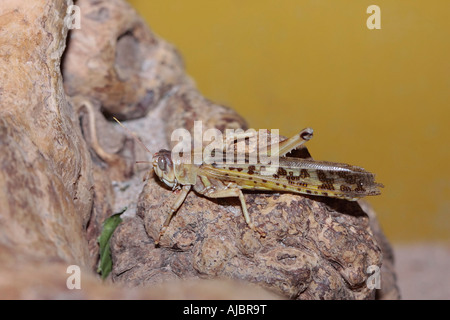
(375,98)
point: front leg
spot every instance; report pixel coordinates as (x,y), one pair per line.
(177,204)
(233,191)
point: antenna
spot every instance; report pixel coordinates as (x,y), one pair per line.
(135,137)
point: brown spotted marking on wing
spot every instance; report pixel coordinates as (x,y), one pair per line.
(300,176)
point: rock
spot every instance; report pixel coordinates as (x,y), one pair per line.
(24,277)
(314,249)
(389,289)
(46,178)
(117,60)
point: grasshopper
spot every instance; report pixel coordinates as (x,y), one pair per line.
(296,175)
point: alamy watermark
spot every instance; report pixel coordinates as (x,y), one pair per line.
(374,20)
(72,20)
(212,146)
(74,280)
(374,280)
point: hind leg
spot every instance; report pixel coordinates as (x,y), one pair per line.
(293,143)
(235,192)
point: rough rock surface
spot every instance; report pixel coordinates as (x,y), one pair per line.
(314,248)
(66,167)
(114,58)
(46,167)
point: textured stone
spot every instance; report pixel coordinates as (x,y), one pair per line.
(116,59)
(45,182)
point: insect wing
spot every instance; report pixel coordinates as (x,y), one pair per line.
(300,176)
(329,178)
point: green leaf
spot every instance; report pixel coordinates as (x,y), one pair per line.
(109,226)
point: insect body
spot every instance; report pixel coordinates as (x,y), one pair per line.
(295,175)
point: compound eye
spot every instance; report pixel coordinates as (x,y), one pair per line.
(162,163)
